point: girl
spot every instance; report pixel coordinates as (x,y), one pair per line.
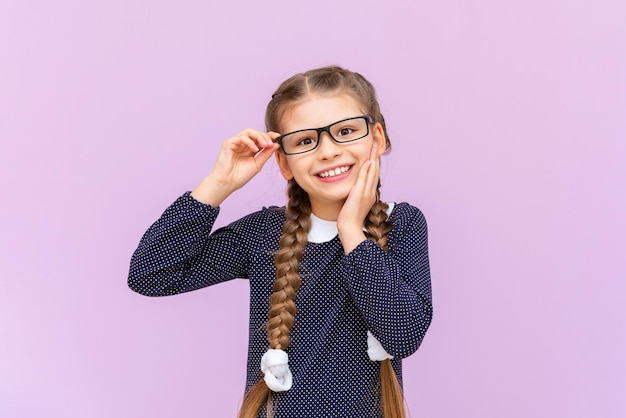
(339,281)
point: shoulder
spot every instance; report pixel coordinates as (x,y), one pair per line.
(409,230)
(260,222)
(404,213)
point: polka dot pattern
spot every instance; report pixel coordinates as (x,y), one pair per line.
(340,299)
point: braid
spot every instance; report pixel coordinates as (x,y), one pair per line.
(287,260)
(282,309)
(378,226)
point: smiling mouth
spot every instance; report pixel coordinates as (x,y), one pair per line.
(337,171)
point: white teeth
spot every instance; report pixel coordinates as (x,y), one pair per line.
(335,172)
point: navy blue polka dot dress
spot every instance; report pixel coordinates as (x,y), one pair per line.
(340,299)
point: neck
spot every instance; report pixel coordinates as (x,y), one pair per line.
(327,211)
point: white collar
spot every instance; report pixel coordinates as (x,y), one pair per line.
(324,231)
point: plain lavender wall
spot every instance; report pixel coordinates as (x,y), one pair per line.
(508,125)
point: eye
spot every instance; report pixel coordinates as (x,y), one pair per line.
(305,141)
(345,131)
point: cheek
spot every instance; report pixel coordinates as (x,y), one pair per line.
(297,164)
(366,151)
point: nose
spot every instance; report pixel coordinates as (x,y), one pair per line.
(327,147)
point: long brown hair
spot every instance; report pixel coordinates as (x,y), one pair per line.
(298,223)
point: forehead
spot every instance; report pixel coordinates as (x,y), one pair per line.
(317,110)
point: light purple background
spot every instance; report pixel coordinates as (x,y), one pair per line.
(508,121)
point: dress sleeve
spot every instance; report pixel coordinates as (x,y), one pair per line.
(392,289)
(178,253)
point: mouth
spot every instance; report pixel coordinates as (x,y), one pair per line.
(335,172)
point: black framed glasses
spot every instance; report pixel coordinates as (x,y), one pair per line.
(345,130)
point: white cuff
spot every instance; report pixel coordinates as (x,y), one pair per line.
(277,374)
(375,350)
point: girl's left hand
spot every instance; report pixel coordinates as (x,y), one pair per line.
(359,202)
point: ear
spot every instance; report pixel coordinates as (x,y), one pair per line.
(378,134)
(283,165)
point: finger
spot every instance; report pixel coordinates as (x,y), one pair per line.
(374,155)
(273,135)
(266,142)
(262,139)
(264,155)
(374,171)
(243,140)
(361,181)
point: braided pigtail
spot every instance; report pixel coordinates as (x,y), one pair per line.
(282,309)
(378,226)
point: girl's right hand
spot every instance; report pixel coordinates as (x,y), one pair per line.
(240,158)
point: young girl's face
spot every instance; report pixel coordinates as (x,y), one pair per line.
(328,172)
